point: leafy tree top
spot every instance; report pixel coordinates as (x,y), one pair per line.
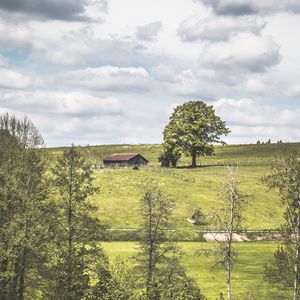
(194,128)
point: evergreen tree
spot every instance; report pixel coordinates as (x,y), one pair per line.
(77,261)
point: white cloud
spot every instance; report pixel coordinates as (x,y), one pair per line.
(149,31)
(250,121)
(14,36)
(108,78)
(13,79)
(294,90)
(246,52)
(83,46)
(249,113)
(72,103)
(218,28)
(164,73)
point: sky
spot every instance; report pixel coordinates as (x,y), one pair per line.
(111,71)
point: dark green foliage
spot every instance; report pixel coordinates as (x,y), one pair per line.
(193,129)
(22,195)
(278,272)
(118,284)
(169,156)
(75,258)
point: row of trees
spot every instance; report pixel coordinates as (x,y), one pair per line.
(50,240)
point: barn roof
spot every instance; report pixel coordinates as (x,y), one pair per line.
(122,157)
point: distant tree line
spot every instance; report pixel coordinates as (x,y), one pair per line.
(268,142)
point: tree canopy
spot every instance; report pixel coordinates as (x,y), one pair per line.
(193,129)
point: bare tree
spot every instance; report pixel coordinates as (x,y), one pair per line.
(228,221)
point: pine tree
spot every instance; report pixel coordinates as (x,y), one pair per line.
(77,259)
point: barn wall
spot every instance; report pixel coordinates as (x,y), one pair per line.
(116,164)
(137,161)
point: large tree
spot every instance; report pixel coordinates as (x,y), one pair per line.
(77,261)
(193,129)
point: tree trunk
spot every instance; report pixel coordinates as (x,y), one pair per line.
(3,282)
(13,286)
(150,257)
(228,268)
(229,237)
(297,256)
(22,274)
(70,254)
(194,156)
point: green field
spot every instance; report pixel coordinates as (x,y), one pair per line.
(247,276)
(118,200)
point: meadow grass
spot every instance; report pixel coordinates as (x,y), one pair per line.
(247,275)
(248,154)
(121,190)
(118,200)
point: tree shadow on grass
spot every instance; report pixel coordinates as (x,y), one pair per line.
(198,167)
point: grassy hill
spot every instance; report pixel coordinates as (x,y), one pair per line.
(247,154)
(118,200)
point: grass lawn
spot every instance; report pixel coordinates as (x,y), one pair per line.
(247,276)
(118,200)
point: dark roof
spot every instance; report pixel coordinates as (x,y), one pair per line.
(122,157)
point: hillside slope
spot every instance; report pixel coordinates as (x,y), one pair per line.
(118,200)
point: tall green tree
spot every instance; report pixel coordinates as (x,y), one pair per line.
(158,260)
(22,193)
(285,178)
(77,261)
(193,129)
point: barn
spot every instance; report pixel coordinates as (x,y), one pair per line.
(119,160)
